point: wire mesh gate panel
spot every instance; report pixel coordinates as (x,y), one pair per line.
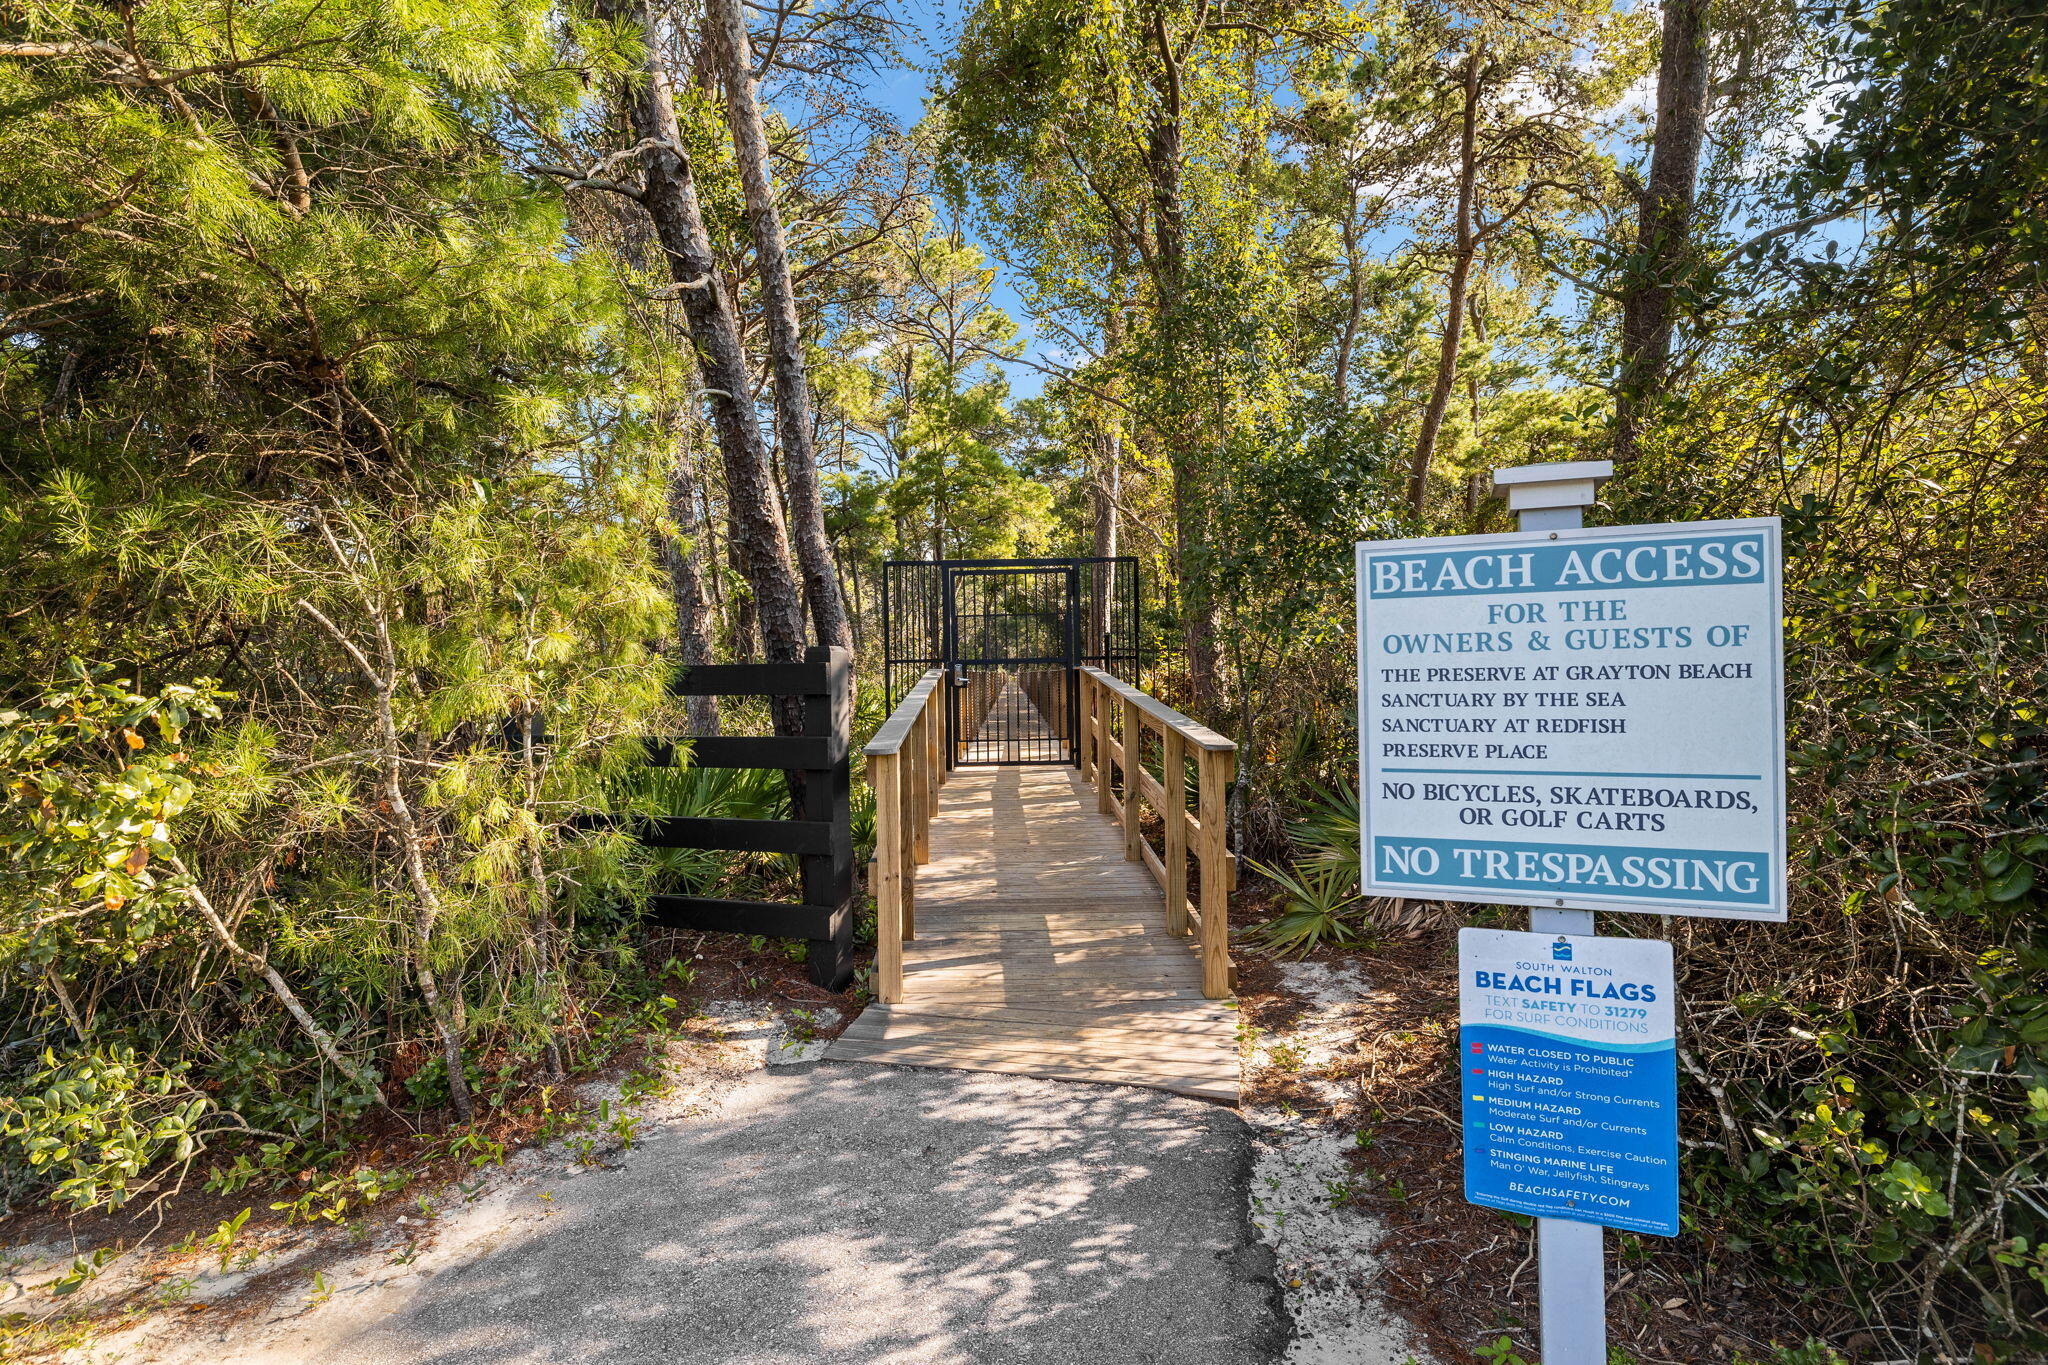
(1015,636)
(1009,633)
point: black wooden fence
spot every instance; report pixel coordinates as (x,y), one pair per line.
(821,832)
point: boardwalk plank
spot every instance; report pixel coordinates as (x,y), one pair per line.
(1042,951)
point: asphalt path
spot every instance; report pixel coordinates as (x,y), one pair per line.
(833,1213)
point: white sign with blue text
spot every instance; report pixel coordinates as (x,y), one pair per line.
(1567,1053)
(1591,718)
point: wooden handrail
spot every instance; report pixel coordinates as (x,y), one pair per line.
(1161,715)
(906,766)
(889,739)
(1114,718)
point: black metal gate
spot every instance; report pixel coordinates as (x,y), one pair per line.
(1015,638)
(1009,633)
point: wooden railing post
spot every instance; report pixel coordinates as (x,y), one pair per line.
(1174,784)
(1086,730)
(1091,756)
(906,857)
(1103,796)
(1212,775)
(1134,746)
(886,778)
(920,794)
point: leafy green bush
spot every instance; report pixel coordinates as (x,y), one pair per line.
(1871,1079)
(90,1124)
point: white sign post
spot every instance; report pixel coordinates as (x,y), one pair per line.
(1571,720)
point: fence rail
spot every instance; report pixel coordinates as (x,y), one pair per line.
(1115,718)
(819,831)
(906,767)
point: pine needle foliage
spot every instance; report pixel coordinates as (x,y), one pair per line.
(319,435)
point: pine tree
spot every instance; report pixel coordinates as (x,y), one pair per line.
(307,397)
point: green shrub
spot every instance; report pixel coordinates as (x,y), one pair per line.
(1322,908)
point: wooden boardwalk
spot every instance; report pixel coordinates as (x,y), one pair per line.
(1040,950)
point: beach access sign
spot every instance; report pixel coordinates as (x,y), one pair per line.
(1569,1068)
(1591,718)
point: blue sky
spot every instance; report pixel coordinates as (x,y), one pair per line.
(900,91)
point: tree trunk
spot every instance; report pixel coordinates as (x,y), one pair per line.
(683,554)
(727,22)
(1201,612)
(716,561)
(758,532)
(1105,493)
(1464,249)
(1472,377)
(1356,304)
(1186,450)
(1664,220)
(844,555)
(746,638)
(860,611)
